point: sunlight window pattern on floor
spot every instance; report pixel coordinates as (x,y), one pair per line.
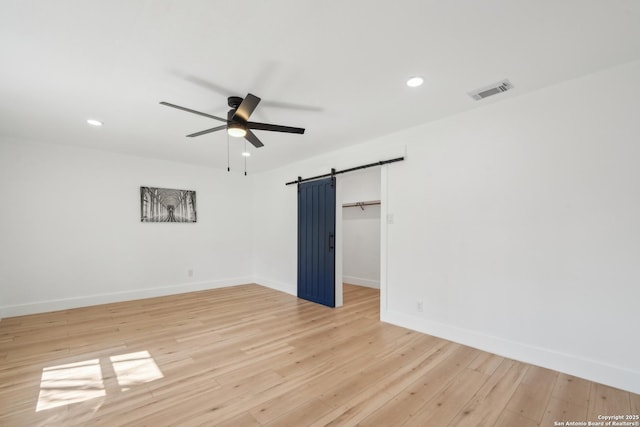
(81,381)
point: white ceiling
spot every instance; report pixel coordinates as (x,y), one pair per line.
(336,68)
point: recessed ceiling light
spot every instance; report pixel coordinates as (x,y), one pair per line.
(94,122)
(246,153)
(415,81)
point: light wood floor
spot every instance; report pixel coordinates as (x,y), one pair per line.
(251,356)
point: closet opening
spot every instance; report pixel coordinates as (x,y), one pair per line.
(361,215)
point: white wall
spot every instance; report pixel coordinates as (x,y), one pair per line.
(516,225)
(362,185)
(361,228)
(71,231)
(520,232)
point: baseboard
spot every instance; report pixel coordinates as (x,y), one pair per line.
(287,288)
(361,281)
(571,364)
(106,298)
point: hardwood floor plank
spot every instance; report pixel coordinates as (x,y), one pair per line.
(605,400)
(532,395)
(367,401)
(302,415)
(489,402)
(274,408)
(355,410)
(245,419)
(510,419)
(250,356)
(343,390)
(486,363)
(635,403)
(560,410)
(434,383)
(443,407)
(572,389)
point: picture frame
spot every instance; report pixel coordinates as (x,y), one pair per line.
(167,205)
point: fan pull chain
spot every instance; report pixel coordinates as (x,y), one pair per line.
(228,168)
(245,158)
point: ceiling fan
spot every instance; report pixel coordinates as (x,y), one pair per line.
(237,122)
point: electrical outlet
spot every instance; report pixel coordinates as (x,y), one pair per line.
(190,272)
(419,306)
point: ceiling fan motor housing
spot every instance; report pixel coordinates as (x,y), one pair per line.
(234,101)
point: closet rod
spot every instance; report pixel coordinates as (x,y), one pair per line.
(335,172)
(361,204)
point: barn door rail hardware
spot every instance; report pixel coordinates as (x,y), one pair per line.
(335,172)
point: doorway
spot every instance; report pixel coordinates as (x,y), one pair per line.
(345,244)
(360,195)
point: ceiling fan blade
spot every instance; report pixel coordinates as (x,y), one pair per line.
(189,110)
(246,107)
(252,138)
(274,128)
(203,132)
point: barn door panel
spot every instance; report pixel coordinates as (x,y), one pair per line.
(316,241)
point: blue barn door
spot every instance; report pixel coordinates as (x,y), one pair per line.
(316,241)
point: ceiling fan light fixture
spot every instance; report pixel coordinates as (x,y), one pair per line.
(236,130)
(415,81)
(246,154)
(94,122)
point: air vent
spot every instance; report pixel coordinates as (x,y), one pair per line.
(490,90)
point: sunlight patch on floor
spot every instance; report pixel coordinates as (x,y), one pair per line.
(72,383)
(81,381)
(135,368)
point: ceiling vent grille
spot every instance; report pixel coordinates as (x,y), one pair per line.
(490,90)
